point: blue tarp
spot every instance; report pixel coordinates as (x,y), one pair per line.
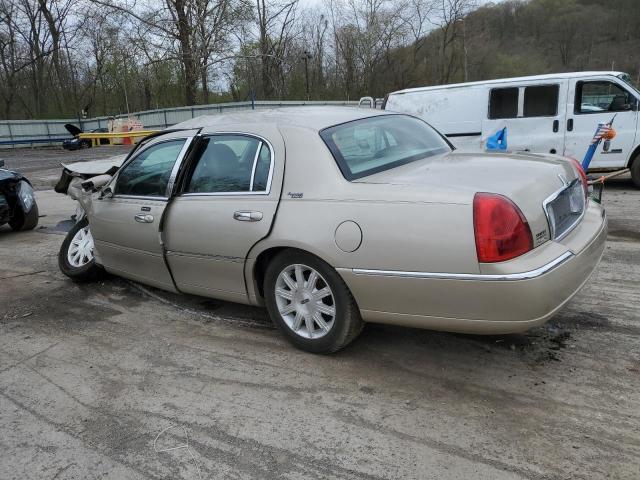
(498,141)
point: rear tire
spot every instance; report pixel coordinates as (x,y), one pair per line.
(76,259)
(20,222)
(310,303)
(635,171)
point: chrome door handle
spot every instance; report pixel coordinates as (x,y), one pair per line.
(144,218)
(247,216)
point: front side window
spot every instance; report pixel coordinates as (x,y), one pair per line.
(503,103)
(602,96)
(148,174)
(541,101)
(231,164)
(371,145)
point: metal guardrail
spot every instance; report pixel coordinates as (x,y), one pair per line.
(20,132)
(31,141)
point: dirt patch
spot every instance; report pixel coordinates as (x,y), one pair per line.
(627,235)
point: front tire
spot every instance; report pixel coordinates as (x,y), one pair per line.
(310,303)
(21,221)
(635,171)
(76,259)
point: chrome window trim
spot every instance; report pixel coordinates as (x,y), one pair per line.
(141,197)
(172,175)
(262,140)
(255,164)
(469,276)
(222,194)
(176,166)
(551,198)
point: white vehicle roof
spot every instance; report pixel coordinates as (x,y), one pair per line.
(314,118)
(532,78)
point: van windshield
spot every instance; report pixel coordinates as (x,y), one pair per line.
(626,78)
(371,145)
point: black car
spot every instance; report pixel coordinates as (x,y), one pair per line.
(76,142)
(18,205)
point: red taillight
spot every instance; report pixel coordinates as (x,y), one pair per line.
(583,176)
(501,231)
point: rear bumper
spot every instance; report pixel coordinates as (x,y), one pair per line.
(504,298)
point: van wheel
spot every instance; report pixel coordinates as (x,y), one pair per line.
(635,171)
(310,303)
(76,259)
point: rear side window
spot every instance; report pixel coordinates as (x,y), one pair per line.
(231,164)
(503,103)
(541,101)
(371,145)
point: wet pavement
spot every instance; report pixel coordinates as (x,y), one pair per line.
(115,380)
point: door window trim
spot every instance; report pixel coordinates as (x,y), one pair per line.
(262,140)
(172,176)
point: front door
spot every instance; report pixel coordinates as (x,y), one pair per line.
(533,114)
(599,101)
(125,227)
(228,202)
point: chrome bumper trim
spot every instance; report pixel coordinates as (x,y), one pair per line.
(469,276)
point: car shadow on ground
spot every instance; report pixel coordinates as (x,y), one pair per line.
(537,346)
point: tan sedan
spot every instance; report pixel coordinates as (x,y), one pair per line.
(332,217)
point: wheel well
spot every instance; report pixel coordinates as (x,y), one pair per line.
(263,260)
(260,268)
(634,156)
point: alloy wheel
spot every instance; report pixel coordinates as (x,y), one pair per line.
(305,301)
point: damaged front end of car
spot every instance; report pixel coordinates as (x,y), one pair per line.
(80,180)
(18,205)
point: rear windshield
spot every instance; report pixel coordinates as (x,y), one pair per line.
(371,145)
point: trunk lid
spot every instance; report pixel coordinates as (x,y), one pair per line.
(527,179)
(72,129)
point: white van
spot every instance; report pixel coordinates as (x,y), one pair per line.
(556,113)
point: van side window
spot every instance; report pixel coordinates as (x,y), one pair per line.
(503,103)
(541,101)
(602,96)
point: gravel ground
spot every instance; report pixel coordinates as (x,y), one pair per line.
(92,376)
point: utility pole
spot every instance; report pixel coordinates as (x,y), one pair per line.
(464,49)
(306,56)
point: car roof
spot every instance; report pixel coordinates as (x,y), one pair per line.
(531,78)
(314,118)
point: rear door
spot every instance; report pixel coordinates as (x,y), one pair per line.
(533,114)
(125,227)
(599,100)
(228,202)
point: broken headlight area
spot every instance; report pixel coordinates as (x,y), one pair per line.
(26,196)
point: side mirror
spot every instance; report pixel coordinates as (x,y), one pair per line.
(95,183)
(106,193)
(1,163)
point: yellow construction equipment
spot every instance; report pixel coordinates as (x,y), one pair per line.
(128,138)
